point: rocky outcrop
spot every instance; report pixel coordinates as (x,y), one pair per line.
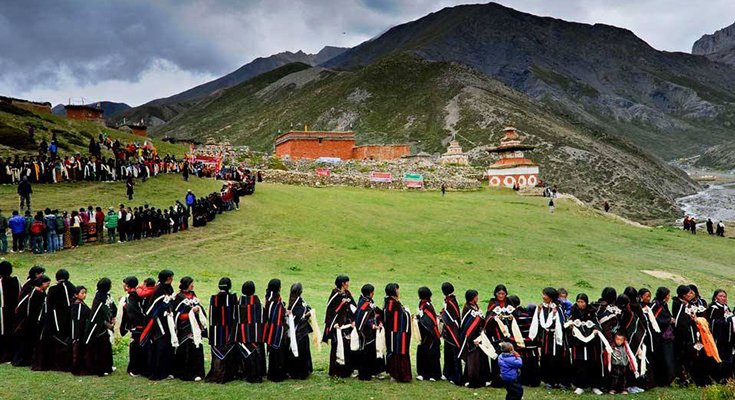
(719,46)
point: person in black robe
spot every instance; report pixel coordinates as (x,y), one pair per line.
(133,321)
(530,374)
(159,336)
(721,323)
(275,323)
(28,321)
(499,320)
(428,353)
(653,334)
(80,314)
(477,367)
(34,273)
(633,325)
(664,361)
(99,331)
(338,318)
(9,295)
(546,327)
(58,323)
(299,364)
(451,317)
(191,325)
(397,324)
(686,334)
(223,308)
(367,322)
(585,346)
(250,335)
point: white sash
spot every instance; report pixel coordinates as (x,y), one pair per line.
(292,335)
(316,333)
(380,348)
(172,329)
(354,340)
(340,345)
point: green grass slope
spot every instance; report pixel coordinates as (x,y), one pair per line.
(404,99)
(73,136)
(476,240)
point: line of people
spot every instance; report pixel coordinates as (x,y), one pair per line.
(623,343)
(690,225)
(49,231)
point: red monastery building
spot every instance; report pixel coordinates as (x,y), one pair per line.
(513,168)
(84,113)
(333,144)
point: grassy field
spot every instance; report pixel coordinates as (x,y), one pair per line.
(475,240)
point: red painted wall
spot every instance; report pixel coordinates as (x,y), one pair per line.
(381,152)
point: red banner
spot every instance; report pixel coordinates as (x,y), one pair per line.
(323,172)
(381,177)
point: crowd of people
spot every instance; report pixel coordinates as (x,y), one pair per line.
(690,225)
(621,343)
(131,160)
(49,231)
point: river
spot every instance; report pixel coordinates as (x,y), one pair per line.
(716,201)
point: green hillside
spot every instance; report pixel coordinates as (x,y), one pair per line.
(405,99)
(73,136)
(475,239)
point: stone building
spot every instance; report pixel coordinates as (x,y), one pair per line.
(312,145)
(33,106)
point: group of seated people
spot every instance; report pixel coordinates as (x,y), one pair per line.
(623,343)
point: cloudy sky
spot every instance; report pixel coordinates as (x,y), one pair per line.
(134,51)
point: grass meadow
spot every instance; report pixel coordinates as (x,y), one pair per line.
(309,235)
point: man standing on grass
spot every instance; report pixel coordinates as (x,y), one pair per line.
(24,192)
(190,200)
(111,224)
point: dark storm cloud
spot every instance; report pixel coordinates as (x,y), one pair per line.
(93,41)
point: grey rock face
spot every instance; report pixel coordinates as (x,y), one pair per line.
(719,46)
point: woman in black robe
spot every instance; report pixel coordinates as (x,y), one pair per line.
(299,366)
(338,318)
(664,361)
(34,273)
(686,334)
(451,318)
(428,353)
(28,325)
(275,317)
(97,335)
(585,346)
(721,323)
(80,314)
(223,309)
(9,295)
(250,335)
(477,366)
(58,351)
(397,324)
(133,321)
(191,325)
(499,321)
(367,321)
(547,327)
(653,334)
(159,336)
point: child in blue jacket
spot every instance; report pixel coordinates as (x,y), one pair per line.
(510,363)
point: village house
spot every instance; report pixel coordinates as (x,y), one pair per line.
(84,113)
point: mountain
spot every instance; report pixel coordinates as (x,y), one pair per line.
(719,46)
(672,104)
(405,98)
(108,108)
(159,111)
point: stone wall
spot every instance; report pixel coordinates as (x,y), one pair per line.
(358,176)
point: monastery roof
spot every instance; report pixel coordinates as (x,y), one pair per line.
(315,135)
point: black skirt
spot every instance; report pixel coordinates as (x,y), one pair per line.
(98,356)
(399,367)
(300,367)
(477,369)
(160,357)
(277,364)
(428,364)
(189,361)
(252,364)
(224,369)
